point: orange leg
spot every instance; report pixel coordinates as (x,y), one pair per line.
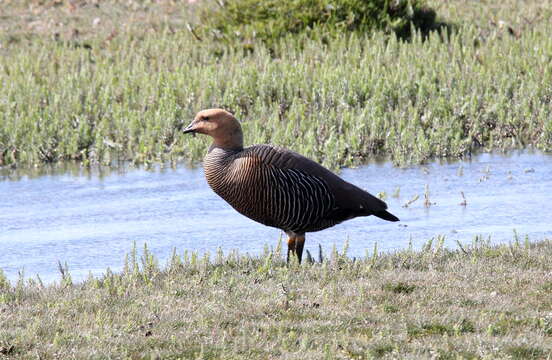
(291,246)
(295,246)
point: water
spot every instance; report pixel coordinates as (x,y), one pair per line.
(90,220)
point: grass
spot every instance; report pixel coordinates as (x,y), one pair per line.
(118,88)
(405,304)
(101,82)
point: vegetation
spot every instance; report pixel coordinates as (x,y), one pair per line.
(408,304)
(79,83)
(107,81)
(268,21)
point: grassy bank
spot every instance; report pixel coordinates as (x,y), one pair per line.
(480,302)
(118,87)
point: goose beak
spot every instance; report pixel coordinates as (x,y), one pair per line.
(189,129)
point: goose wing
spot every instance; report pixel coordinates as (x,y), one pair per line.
(300,175)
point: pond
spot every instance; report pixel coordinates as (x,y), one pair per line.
(91,218)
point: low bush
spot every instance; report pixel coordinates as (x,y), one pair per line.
(251,20)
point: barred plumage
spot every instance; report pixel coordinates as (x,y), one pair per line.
(289,199)
(278,187)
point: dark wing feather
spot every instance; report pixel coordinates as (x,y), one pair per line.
(350,200)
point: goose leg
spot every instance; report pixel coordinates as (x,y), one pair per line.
(296,242)
(291,246)
(299,244)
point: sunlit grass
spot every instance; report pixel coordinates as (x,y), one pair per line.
(480,301)
(338,102)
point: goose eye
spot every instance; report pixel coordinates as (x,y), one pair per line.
(206,118)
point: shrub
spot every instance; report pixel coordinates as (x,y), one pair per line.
(250,20)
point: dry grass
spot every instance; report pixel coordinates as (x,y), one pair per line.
(88,19)
(481,302)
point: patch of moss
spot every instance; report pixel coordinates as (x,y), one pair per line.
(524,352)
(456,354)
(434,328)
(399,288)
(390,309)
(379,350)
(429,329)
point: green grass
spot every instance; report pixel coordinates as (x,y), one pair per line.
(99,96)
(243,307)
(399,288)
(248,21)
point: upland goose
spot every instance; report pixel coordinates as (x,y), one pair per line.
(278,187)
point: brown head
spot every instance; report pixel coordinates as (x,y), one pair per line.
(220,125)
